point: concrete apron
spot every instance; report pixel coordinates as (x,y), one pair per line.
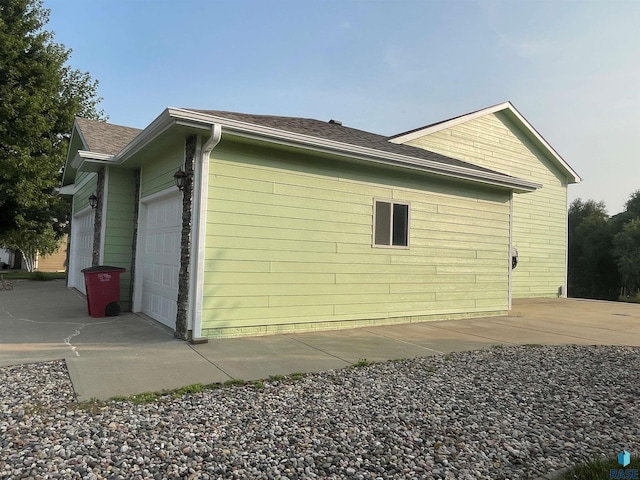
(129,354)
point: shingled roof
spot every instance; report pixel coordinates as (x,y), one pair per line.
(103,137)
(340,133)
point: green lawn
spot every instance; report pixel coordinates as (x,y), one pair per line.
(31,275)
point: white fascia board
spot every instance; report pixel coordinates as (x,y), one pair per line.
(91,161)
(163,122)
(75,131)
(73,188)
(352,151)
(67,189)
(486,111)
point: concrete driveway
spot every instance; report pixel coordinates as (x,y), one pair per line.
(129,354)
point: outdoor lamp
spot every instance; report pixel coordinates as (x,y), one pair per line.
(181,179)
(93,201)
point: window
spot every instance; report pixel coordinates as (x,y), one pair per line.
(391,224)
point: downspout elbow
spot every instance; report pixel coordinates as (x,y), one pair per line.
(214,139)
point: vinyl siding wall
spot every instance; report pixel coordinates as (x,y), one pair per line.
(81,197)
(539,218)
(118,240)
(157,174)
(289,246)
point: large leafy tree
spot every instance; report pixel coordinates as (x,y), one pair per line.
(39,96)
(626,251)
(592,271)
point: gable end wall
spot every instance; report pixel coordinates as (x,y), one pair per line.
(539,218)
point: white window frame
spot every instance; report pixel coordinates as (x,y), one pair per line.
(373,232)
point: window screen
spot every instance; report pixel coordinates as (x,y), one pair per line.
(391,224)
(383,223)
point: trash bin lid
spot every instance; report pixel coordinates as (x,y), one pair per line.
(103,268)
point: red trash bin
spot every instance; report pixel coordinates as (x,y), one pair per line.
(103,290)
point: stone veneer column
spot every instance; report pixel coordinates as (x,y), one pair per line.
(185,242)
(134,250)
(97,223)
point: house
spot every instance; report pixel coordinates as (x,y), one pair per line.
(55,262)
(288,224)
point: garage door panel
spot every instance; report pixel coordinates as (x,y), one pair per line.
(81,247)
(162,259)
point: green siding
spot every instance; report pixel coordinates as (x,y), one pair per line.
(81,197)
(539,218)
(119,224)
(156,175)
(289,246)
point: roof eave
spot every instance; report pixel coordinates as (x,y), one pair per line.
(85,161)
(202,121)
(66,174)
(250,130)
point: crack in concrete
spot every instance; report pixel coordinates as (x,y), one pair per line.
(66,340)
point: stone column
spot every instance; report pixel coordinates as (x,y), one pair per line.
(134,250)
(185,242)
(97,223)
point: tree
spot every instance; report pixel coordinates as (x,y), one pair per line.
(592,272)
(626,251)
(39,97)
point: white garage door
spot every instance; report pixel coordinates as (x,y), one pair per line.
(162,259)
(81,248)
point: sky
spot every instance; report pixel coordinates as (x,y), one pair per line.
(571,68)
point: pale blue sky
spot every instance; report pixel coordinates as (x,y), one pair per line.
(571,68)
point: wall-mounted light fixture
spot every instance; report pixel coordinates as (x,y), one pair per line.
(93,201)
(180,178)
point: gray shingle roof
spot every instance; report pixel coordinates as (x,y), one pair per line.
(103,137)
(340,133)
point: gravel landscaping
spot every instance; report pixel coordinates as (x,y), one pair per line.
(516,412)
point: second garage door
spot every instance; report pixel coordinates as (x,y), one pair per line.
(81,248)
(162,258)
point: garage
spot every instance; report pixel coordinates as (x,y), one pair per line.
(81,247)
(161,257)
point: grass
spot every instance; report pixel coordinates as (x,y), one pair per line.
(94,405)
(362,362)
(629,299)
(430,370)
(599,469)
(38,276)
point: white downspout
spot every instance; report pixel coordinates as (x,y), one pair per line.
(200,228)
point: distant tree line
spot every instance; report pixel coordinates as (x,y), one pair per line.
(604,251)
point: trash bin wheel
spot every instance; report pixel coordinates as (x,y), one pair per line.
(112,309)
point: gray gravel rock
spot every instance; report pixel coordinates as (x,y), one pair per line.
(514,412)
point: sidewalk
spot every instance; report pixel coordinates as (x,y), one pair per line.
(129,354)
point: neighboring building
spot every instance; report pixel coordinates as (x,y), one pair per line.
(55,262)
(293,224)
(6,259)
